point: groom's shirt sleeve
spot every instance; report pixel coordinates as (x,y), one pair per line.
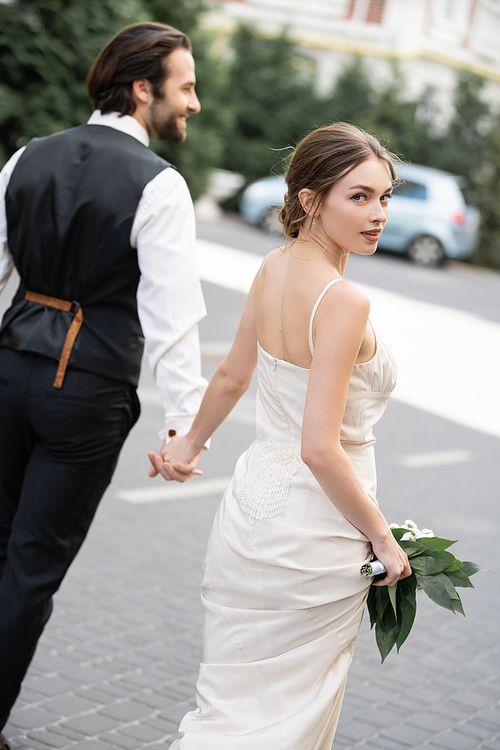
(169,297)
(6,261)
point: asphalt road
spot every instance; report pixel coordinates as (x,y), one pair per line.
(117,663)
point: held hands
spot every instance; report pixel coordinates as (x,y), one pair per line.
(176,460)
(395,560)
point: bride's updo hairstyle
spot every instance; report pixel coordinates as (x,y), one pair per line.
(322,159)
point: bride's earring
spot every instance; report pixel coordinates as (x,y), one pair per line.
(314,221)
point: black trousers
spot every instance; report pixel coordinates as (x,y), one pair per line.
(58,452)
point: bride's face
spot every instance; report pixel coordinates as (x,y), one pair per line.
(355,210)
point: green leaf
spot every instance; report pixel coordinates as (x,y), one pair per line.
(451,561)
(393,590)
(382,600)
(408,589)
(427,565)
(458,606)
(459,579)
(453,566)
(379,604)
(469,568)
(385,641)
(436,543)
(389,621)
(445,581)
(407,615)
(371,603)
(439,588)
(398,533)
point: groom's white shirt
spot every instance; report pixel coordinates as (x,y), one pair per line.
(169,297)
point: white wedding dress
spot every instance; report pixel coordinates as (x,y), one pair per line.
(282,593)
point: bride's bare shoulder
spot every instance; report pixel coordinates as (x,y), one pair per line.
(278,254)
(272,264)
(343,298)
(352,292)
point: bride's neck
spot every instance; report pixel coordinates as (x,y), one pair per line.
(310,244)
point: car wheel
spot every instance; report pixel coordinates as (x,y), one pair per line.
(426,250)
(270,220)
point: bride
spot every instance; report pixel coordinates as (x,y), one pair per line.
(282,592)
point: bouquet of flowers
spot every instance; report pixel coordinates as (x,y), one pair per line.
(393,608)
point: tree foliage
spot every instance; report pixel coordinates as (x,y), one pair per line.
(462,147)
(487,193)
(352,98)
(47,48)
(401,122)
(272,95)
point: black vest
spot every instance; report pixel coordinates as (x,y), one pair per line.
(70,207)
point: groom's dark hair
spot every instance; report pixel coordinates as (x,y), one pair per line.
(136,52)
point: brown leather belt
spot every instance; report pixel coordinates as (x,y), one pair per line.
(76,324)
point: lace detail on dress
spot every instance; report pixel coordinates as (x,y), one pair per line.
(265,496)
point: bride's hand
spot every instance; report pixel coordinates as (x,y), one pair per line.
(176,460)
(395,560)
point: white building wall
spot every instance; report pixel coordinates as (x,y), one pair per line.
(429,38)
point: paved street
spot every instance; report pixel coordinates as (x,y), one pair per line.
(117,664)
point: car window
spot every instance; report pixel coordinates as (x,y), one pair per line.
(408,189)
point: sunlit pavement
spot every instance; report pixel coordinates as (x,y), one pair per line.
(117,664)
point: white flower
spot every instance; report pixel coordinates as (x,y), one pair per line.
(408,524)
(408,537)
(412,531)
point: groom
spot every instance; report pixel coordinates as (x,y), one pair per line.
(101,232)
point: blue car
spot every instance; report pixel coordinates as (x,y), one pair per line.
(428,218)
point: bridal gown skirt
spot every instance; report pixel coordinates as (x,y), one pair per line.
(283,600)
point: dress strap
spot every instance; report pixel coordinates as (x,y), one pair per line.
(316,305)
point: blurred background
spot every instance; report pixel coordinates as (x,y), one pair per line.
(424,75)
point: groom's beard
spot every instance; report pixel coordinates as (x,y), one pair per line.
(163,122)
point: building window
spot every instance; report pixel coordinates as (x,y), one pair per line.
(375,11)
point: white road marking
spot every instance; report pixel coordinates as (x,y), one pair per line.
(227,267)
(448,360)
(436,458)
(168,491)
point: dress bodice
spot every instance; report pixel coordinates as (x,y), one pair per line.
(282,388)
(282,393)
